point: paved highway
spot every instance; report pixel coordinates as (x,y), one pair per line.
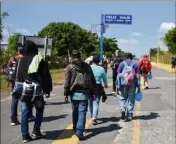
(154,118)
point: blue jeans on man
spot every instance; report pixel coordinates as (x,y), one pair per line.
(25,113)
(14,110)
(79,102)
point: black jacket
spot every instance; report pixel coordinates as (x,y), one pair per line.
(42,76)
(70,75)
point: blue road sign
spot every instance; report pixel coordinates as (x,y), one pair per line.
(117,19)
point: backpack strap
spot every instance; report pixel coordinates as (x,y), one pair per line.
(125,63)
(132,64)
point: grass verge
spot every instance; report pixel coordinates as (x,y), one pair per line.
(56,74)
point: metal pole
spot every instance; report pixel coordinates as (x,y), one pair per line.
(45,48)
(101,38)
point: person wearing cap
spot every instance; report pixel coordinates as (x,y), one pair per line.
(100,75)
(79,84)
(127,93)
(14,103)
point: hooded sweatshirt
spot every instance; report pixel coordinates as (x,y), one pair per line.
(71,86)
(42,75)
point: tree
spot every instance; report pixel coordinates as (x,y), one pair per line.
(69,36)
(3,16)
(170,40)
(12,45)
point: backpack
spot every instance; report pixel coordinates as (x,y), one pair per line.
(116,62)
(128,74)
(10,70)
(146,66)
(81,78)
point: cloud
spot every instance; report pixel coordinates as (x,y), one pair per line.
(136,34)
(128,41)
(165,26)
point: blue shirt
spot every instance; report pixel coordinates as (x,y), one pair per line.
(99,74)
(80,96)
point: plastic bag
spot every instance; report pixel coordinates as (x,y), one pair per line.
(150,76)
(138,96)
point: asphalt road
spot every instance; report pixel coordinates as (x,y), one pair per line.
(154,118)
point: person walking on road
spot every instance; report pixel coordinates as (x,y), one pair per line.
(39,73)
(11,66)
(79,84)
(115,61)
(145,67)
(100,75)
(127,82)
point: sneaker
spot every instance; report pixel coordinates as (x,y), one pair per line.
(129,118)
(113,92)
(27,138)
(13,123)
(94,122)
(31,118)
(38,134)
(80,136)
(123,115)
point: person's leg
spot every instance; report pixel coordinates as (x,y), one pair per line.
(31,117)
(142,81)
(25,110)
(95,107)
(123,95)
(114,82)
(74,104)
(39,105)
(82,110)
(14,114)
(146,80)
(90,102)
(131,102)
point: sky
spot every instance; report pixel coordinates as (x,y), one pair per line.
(150,20)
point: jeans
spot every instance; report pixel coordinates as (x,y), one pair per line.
(79,111)
(127,99)
(14,109)
(94,107)
(25,113)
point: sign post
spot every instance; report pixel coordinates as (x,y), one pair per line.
(112,19)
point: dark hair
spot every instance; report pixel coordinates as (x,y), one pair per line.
(75,54)
(30,47)
(96,59)
(129,56)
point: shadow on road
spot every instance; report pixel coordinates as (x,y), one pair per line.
(150,88)
(61,134)
(105,120)
(55,103)
(52,118)
(106,129)
(152,115)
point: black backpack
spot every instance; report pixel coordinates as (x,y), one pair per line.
(11,69)
(81,78)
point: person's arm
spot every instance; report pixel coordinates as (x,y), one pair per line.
(67,81)
(104,77)
(137,70)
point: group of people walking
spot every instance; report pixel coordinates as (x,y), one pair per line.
(84,84)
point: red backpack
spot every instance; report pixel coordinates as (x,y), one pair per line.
(146,66)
